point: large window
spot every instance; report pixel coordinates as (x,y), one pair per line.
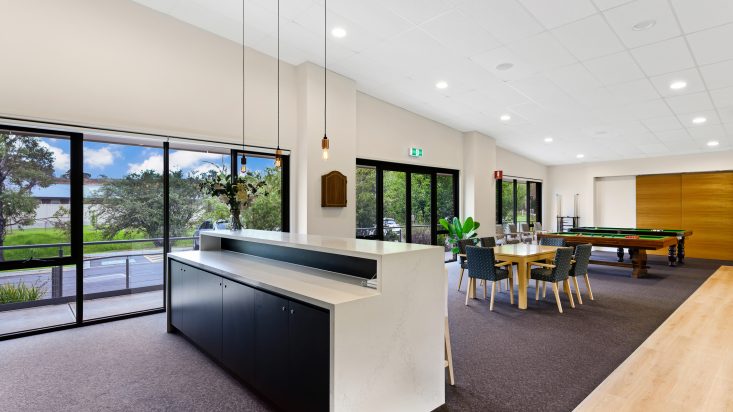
(86,221)
(518,201)
(402,203)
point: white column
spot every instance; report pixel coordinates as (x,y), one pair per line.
(479,189)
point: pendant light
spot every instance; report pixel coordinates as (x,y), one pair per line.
(243,167)
(278,151)
(324,141)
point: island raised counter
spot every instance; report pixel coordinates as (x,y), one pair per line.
(316,323)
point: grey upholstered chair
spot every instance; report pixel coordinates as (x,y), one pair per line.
(538,229)
(553,241)
(554,273)
(462,257)
(580,268)
(500,237)
(489,241)
(482,265)
(510,233)
(525,235)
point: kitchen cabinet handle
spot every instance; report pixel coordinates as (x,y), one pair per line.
(292,311)
(283,308)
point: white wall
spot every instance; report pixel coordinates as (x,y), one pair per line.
(118,64)
(515,165)
(580,178)
(615,201)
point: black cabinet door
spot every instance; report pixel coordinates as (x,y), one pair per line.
(177,290)
(271,346)
(207,312)
(183,285)
(239,329)
(309,358)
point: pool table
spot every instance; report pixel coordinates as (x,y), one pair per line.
(637,245)
(680,234)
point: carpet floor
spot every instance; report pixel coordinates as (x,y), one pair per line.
(506,360)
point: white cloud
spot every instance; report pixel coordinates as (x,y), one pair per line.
(99,158)
(61,159)
(154,163)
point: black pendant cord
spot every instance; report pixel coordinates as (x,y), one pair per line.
(325,64)
(278,74)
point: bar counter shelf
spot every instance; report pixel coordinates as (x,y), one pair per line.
(316,323)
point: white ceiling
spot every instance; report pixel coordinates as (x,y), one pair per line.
(581,74)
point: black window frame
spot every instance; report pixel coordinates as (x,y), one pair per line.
(515,180)
(382,166)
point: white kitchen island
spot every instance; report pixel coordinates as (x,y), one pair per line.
(300,325)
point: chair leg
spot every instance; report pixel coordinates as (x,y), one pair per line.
(449,354)
(511,287)
(557,296)
(568,292)
(544,289)
(485,282)
(468,288)
(536,289)
(577,290)
(491,302)
(587,283)
(460,279)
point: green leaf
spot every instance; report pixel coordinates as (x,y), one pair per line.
(468,225)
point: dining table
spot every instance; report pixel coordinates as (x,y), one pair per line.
(521,254)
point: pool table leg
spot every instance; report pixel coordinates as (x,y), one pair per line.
(638,262)
(672,255)
(681,251)
(620,254)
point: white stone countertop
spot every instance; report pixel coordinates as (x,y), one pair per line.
(344,246)
(315,286)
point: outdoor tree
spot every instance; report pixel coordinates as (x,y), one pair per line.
(135,204)
(24,164)
(265,211)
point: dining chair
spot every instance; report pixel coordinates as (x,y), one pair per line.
(500,237)
(462,257)
(510,231)
(556,272)
(525,235)
(580,268)
(482,265)
(538,229)
(553,241)
(489,241)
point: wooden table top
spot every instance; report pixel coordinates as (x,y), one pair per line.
(685,365)
(523,249)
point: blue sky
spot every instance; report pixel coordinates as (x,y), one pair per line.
(115,161)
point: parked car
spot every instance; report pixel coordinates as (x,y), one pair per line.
(392,229)
(207,225)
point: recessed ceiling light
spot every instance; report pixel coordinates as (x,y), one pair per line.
(504,66)
(548,139)
(678,85)
(441,85)
(644,25)
(699,120)
(338,32)
(505,118)
(580,155)
(713,143)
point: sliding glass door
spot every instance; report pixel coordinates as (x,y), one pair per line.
(519,201)
(402,203)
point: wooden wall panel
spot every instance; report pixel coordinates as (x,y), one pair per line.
(707,209)
(701,202)
(659,203)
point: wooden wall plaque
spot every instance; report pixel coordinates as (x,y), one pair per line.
(333,189)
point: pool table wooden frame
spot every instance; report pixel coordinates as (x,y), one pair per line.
(681,235)
(637,247)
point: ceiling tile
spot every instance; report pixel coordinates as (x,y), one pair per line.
(419,11)
(664,57)
(690,103)
(558,12)
(649,109)
(616,68)
(702,14)
(713,131)
(542,51)
(607,4)
(451,30)
(374,15)
(654,148)
(726,115)
(623,19)
(690,76)
(672,136)
(634,91)
(718,75)
(662,124)
(490,59)
(507,20)
(722,97)
(712,45)
(710,115)
(573,78)
(589,38)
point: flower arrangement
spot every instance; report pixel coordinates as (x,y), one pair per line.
(236,194)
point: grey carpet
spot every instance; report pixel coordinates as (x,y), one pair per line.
(508,360)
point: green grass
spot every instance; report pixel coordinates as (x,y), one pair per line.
(49,236)
(12,293)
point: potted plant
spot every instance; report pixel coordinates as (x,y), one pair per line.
(458,230)
(236,194)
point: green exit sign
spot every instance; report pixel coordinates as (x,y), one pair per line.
(415,152)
